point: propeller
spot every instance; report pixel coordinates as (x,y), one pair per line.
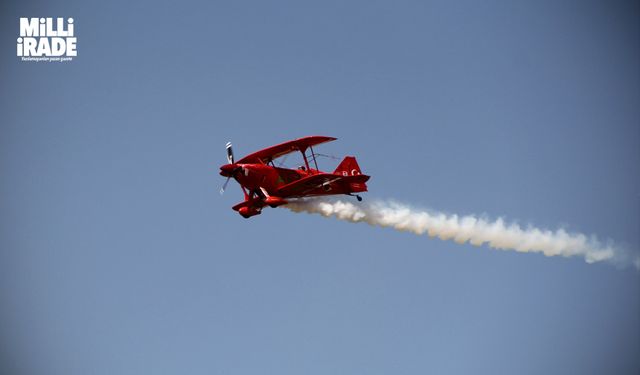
(229,153)
(230,161)
(225,185)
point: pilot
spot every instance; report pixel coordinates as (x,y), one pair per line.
(302,168)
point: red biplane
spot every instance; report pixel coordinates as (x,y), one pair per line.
(265,184)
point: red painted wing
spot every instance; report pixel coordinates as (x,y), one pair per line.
(274,152)
(324,184)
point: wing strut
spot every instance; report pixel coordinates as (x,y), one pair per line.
(304,156)
(313,155)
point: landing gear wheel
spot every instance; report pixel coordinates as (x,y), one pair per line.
(359,198)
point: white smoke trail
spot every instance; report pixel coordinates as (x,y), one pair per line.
(475,230)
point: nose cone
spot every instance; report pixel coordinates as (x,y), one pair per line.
(227,170)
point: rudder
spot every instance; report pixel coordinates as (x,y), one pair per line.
(348,167)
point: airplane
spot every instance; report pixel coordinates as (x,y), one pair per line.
(265,184)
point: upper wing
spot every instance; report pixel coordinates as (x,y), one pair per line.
(274,152)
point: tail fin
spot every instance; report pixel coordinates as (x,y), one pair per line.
(348,167)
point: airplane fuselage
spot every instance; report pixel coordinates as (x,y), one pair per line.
(255,177)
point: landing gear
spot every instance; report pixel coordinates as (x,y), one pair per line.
(248,211)
(359,198)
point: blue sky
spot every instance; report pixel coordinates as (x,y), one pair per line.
(119,256)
